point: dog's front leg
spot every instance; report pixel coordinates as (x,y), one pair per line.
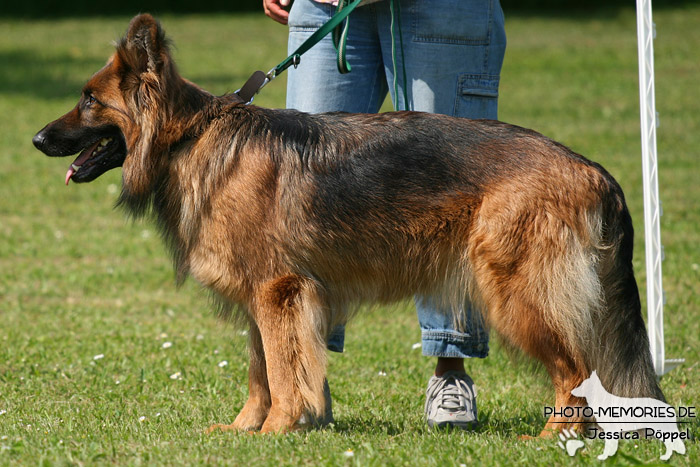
(254,412)
(256,408)
(291,319)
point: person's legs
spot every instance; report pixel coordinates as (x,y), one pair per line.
(316,85)
(453,56)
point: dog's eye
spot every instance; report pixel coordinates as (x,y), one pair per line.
(90,100)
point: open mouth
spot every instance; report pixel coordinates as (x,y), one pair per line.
(107,153)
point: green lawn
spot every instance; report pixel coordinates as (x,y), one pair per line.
(103,361)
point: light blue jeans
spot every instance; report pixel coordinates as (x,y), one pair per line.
(453,51)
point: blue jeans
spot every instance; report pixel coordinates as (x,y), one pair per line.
(453,52)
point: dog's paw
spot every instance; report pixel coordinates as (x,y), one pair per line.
(568,441)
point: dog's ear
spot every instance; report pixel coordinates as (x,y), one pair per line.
(145,48)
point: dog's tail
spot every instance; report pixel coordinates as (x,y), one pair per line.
(552,267)
(623,359)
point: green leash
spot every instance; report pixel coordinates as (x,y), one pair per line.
(258,80)
(341,13)
(395,5)
(340,39)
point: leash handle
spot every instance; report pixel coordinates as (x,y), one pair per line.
(340,39)
(323,31)
(395,8)
(251,87)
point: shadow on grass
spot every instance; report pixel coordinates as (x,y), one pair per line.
(583,13)
(25,72)
(53,76)
(368,425)
(530,424)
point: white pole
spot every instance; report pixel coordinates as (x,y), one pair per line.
(652,204)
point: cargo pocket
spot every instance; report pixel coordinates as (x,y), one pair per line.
(452,21)
(477,96)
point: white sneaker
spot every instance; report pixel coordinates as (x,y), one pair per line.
(451,401)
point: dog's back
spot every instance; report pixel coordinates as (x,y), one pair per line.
(413,185)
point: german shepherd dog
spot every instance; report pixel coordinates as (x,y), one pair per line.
(297,219)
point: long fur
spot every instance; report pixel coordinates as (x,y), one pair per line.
(299,218)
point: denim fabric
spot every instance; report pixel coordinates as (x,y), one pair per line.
(453,51)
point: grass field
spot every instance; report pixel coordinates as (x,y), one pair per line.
(103,361)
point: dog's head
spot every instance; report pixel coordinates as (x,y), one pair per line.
(107,125)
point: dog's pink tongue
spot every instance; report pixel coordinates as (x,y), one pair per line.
(80,160)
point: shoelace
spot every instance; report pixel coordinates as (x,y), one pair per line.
(455,395)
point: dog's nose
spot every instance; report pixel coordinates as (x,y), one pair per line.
(39,140)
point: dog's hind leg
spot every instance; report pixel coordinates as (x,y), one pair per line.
(517,316)
(536,337)
(292,319)
(568,409)
(538,281)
